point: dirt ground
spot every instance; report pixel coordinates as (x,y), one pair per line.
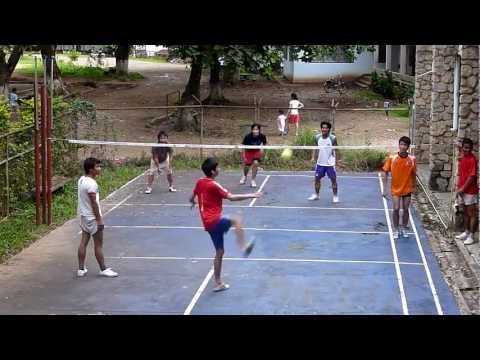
(227,126)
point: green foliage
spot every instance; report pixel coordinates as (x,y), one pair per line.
(363,159)
(73,55)
(391,89)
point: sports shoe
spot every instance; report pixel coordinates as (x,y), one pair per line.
(395,234)
(405,233)
(221,287)
(172,189)
(253,184)
(462,236)
(82,273)
(148,191)
(469,240)
(243,180)
(314,197)
(248,249)
(108,273)
(335,199)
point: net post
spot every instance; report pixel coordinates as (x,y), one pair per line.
(36,146)
(7,185)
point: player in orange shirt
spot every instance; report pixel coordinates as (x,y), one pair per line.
(403,168)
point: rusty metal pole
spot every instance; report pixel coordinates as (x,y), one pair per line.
(36,145)
(43,137)
(7,180)
(49,159)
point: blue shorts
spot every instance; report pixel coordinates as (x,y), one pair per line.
(320,172)
(219,231)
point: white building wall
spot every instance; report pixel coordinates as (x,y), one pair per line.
(311,72)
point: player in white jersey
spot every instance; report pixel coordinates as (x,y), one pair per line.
(326,161)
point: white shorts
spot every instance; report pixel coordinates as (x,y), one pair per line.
(163,165)
(88,225)
(468,199)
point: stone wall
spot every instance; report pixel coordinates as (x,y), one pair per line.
(423,96)
(441,121)
(469,91)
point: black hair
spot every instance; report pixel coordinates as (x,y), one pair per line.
(89,164)
(405,139)
(209,165)
(326,123)
(161,133)
(467,141)
(14,89)
(281,111)
(256,125)
(294,96)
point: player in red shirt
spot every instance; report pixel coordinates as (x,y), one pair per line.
(210,195)
(467,193)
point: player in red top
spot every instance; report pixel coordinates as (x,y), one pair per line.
(210,195)
(467,193)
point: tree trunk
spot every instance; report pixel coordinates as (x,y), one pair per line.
(231,74)
(216,86)
(48,53)
(121,59)
(8,67)
(193,85)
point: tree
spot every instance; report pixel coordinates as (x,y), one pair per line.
(121,58)
(48,53)
(9,57)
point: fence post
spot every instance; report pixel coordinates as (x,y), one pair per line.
(36,145)
(7,184)
(201,132)
(43,132)
(49,159)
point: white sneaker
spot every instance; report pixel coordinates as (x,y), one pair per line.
(314,197)
(462,236)
(243,180)
(395,234)
(335,199)
(172,189)
(405,233)
(108,273)
(221,287)
(148,191)
(469,240)
(82,273)
(253,184)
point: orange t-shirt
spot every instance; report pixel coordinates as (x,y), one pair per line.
(403,173)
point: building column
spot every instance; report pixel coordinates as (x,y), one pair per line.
(388,57)
(376,55)
(403,59)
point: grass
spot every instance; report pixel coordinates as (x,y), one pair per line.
(400,113)
(70,70)
(367,94)
(155,59)
(20,229)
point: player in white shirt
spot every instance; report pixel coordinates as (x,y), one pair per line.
(326,161)
(281,122)
(91,220)
(292,114)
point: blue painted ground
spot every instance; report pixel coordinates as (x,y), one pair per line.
(310,257)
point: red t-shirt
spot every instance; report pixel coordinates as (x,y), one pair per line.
(210,195)
(468,167)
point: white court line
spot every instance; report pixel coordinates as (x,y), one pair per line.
(202,287)
(259,259)
(394,251)
(124,185)
(121,202)
(259,190)
(247,228)
(427,269)
(264,206)
(113,208)
(304,175)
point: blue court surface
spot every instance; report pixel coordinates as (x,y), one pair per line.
(310,257)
